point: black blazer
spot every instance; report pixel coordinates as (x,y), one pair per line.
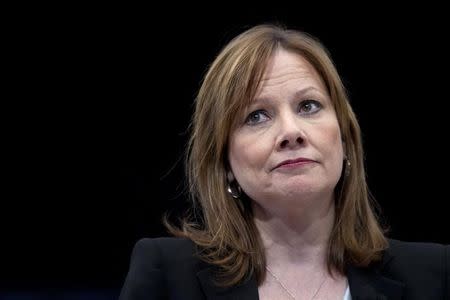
(165,268)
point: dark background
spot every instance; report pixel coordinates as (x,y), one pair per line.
(100,100)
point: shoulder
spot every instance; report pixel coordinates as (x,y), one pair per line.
(157,261)
(156,251)
(167,244)
(414,270)
(417,262)
(417,253)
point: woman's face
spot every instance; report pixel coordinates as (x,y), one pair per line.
(288,145)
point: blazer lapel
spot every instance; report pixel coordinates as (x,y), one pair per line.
(247,290)
(369,284)
(365,284)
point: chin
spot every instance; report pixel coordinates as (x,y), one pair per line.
(304,188)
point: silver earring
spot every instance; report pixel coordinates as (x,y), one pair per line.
(347,166)
(234,190)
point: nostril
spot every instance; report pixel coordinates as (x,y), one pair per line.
(287,143)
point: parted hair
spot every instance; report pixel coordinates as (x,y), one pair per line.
(223,227)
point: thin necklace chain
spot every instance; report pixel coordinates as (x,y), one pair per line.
(288,291)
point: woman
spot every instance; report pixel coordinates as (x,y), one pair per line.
(275,166)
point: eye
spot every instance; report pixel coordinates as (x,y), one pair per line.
(310,107)
(257,117)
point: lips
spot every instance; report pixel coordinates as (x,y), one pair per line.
(293,162)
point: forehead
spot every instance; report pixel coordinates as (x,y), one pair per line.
(288,68)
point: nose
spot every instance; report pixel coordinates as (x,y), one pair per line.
(291,134)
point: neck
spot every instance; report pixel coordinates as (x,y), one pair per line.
(296,238)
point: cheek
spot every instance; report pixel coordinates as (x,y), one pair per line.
(334,146)
(336,140)
(248,153)
(329,141)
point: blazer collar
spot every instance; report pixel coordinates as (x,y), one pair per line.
(369,283)
(365,284)
(247,290)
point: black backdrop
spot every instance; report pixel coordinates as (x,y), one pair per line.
(97,127)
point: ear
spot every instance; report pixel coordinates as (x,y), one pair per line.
(230,176)
(229,172)
(344,148)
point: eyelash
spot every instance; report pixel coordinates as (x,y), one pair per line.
(301,105)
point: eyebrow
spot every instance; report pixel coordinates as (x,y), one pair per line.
(298,94)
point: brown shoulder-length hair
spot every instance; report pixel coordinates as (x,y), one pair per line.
(226,232)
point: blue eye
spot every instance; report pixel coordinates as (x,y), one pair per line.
(257,117)
(310,107)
